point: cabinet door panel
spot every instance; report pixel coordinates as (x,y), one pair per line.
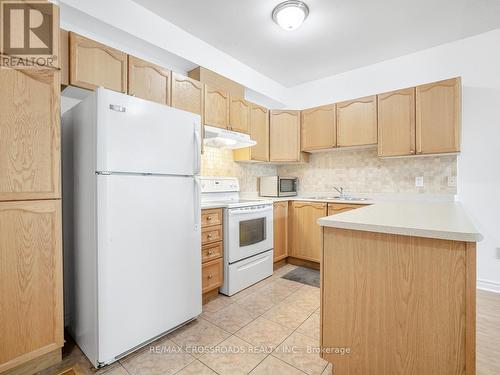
(93,64)
(216,105)
(148,81)
(280,230)
(306,235)
(239,115)
(284,135)
(30,280)
(318,128)
(357,122)
(29,134)
(396,123)
(187,94)
(259,132)
(438,117)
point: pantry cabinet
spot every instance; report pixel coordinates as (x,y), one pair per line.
(396,123)
(438,117)
(280,230)
(284,136)
(187,94)
(64,56)
(305,234)
(93,64)
(216,108)
(259,132)
(30,134)
(239,115)
(148,81)
(30,281)
(318,128)
(357,122)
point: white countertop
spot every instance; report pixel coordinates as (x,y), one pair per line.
(442,220)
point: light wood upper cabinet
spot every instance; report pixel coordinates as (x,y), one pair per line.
(148,81)
(284,136)
(187,94)
(30,280)
(280,232)
(216,112)
(259,132)
(438,117)
(29,134)
(357,122)
(239,115)
(93,64)
(306,236)
(217,81)
(318,128)
(396,123)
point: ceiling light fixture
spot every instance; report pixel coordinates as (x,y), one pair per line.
(289,15)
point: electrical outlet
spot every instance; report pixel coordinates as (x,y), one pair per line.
(452,181)
(419,181)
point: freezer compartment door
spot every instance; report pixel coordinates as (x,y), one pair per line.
(139,136)
(149,258)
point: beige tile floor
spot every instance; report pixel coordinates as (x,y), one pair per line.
(254,331)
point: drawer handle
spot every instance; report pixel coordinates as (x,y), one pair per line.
(210,235)
(209,218)
(210,277)
(210,252)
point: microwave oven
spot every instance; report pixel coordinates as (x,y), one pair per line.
(277,186)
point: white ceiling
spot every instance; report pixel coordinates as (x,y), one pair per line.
(339,35)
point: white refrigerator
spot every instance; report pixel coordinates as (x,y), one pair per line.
(131,222)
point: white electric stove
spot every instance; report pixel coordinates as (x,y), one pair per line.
(248,233)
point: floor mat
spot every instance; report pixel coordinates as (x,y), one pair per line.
(303,275)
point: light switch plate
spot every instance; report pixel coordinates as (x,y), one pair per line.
(498,252)
(419,181)
(452,181)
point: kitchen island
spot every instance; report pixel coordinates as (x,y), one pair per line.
(398,289)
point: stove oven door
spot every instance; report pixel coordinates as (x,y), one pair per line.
(249,231)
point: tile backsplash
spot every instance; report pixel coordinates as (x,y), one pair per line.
(358,171)
(220,162)
(362,171)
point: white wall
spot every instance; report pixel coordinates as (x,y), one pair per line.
(477,60)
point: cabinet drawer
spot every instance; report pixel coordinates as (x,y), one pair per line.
(211,217)
(211,234)
(211,252)
(211,275)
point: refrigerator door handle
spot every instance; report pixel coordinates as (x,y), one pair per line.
(197,204)
(197,149)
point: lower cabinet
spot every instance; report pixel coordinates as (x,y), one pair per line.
(280,234)
(306,239)
(337,208)
(31,284)
(212,274)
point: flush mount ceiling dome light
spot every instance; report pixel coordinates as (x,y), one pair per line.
(289,15)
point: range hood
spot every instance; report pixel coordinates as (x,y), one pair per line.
(223,138)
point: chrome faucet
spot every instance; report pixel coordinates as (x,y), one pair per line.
(340,190)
